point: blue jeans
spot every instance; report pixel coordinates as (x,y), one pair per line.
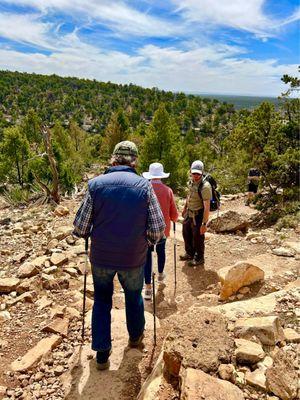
(161,259)
(132,283)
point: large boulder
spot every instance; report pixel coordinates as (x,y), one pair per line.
(281,377)
(199,340)
(235,277)
(229,221)
(197,385)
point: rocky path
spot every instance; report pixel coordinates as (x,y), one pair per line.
(41,282)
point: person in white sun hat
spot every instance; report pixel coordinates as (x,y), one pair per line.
(166,200)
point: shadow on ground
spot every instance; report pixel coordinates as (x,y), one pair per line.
(199,278)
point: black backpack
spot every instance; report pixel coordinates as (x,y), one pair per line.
(215,201)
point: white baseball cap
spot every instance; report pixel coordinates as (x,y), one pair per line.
(197,167)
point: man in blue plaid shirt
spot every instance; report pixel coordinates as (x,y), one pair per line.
(122,216)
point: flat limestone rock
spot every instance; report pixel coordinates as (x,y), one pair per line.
(281,377)
(235,277)
(264,305)
(284,252)
(27,296)
(267,329)
(199,340)
(8,285)
(197,385)
(293,245)
(291,335)
(34,355)
(44,302)
(256,379)
(150,388)
(248,352)
(62,232)
(294,284)
(58,325)
(27,270)
(39,261)
(58,259)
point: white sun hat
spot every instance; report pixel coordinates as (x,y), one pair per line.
(156,171)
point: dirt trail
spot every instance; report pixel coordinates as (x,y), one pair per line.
(129,368)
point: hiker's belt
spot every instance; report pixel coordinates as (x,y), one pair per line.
(193,213)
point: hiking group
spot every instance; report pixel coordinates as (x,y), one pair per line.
(125,216)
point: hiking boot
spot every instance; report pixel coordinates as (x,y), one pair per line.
(102,359)
(195,262)
(185,257)
(161,278)
(148,294)
(135,342)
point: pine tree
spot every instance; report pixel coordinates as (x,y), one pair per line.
(162,144)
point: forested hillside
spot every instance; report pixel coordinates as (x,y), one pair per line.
(53,128)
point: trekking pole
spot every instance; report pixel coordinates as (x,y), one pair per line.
(154,307)
(84,284)
(174,230)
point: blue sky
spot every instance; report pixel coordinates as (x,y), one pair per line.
(206,46)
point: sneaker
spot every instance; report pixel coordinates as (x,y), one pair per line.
(148,294)
(185,257)
(136,342)
(102,360)
(195,262)
(161,278)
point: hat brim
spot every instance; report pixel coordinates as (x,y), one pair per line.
(147,175)
(196,171)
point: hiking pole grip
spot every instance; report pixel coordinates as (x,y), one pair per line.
(154,307)
(84,286)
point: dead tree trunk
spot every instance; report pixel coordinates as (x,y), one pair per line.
(52,194)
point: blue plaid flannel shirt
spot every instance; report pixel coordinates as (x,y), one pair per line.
(156,224)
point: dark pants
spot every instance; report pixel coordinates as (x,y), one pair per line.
(132,282)
(193,241)
(161,259)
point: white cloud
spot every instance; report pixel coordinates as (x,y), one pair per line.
(25,29)
(210,69)
(247,15)
(116,15)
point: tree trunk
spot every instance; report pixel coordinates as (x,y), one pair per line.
(54,192)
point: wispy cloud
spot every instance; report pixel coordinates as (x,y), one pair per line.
(211,69)
(25,29)
(116,15)
(197,61)
(239,14)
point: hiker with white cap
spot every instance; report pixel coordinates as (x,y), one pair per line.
(196,214)
(166,200)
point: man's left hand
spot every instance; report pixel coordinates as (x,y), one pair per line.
(203,229)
